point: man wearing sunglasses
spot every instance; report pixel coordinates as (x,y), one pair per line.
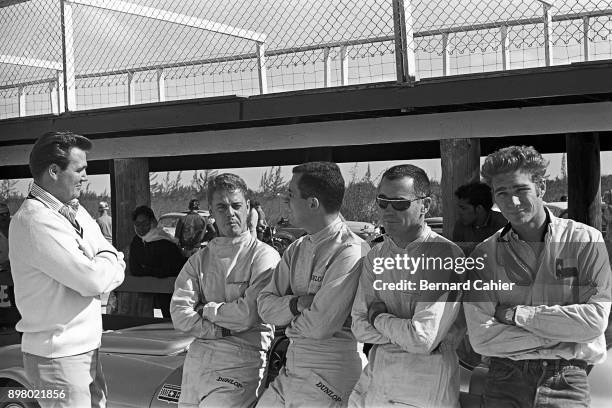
(311,292)
(544,333)
(413,361)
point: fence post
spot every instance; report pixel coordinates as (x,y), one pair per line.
(548,44)
(22,101)
(505,47)
(344,65)
(161,85)
(445,55)
(326,68)
(131,88)
(585,36)
(261,68)
(54,96)
(404,42)
(68,56)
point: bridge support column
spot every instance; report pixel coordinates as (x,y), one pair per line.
(584,178)
(460,165)
(130,188)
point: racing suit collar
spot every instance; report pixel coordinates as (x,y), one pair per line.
(230,241)
(423,236)
(326,232)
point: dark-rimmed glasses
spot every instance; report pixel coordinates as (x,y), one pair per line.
(398,204)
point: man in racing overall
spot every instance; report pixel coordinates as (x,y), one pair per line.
(413,361)
(215,300)
(311,292)
(547,325)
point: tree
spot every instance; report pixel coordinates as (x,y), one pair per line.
(7,189)
(272,183)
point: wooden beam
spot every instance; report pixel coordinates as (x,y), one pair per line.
(584,179)
(129,189)
(460,160)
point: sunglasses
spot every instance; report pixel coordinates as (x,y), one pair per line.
(397,204)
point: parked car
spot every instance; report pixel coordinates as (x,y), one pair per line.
(143,367)
(169,220)
(282,235)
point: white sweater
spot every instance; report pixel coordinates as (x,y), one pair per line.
(58,278)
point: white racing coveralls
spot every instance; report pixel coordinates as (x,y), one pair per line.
(215,300)
(323,363)
(413,361)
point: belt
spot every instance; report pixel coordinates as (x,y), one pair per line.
(553,364)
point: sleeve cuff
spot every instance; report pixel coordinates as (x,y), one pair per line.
(523,315)
(293,306)
(210,310)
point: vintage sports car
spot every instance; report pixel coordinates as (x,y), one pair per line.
(143,368)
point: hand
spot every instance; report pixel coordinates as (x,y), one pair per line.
(374,310)
(505,314)
(199,308)
(304,302)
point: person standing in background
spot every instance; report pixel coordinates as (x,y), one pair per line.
(105,222)
(7,295)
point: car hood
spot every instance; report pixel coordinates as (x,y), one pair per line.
(154,340)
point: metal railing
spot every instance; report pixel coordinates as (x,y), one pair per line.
(401,47)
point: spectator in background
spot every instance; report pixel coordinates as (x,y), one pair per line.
(105,222)
(154,252)
(253,219)
(476,220)
(7,296)
(190,229)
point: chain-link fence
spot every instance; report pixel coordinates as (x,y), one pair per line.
(115,52)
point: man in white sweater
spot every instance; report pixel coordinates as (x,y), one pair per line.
(61,264)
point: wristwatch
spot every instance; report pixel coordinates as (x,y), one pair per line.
(510,314)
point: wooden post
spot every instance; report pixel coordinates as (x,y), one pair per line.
(21,94)
(584,178)
(161,85)
(585,37)
(129,189)
(405,61)
(460,160)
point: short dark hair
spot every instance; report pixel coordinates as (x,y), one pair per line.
(324,181)
(54,148)
(513,158)
(194,204)
(422,187)
(255,203)
(476,193)
(227,182)
(143,210)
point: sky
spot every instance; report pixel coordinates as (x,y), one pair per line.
(252,175)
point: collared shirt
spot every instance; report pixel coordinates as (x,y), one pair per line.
(320,264)
(562,295)
(224,279)
(47,198)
